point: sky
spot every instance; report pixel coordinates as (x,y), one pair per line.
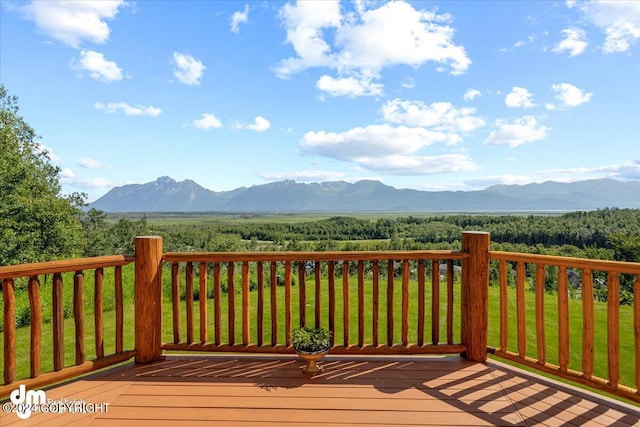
(430,95)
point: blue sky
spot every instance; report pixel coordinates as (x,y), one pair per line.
(427,95)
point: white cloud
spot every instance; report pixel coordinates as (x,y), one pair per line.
(519,97)
(408,83)
(517,132)
(260,124)
(439,116)
(90,183)
(128,110)
(188,69)
(360,43)
(41,148)
(349,86)
(97,66)
(575,42)
(89,163)
(72,22)
(471,94)
(387,149)
(239,18)
(207,121)
(620,21)
(629,170)
(570,95)
(66,174)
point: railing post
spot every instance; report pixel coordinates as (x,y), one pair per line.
(148,298)
(475,283)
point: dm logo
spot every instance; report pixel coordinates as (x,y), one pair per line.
(26,400)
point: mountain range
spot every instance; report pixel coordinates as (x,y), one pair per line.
(168,195)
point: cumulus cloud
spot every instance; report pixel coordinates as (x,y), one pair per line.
(89,163)
(73,22)
(626,171)
(260,124)
(364,41)
(471,94)
(386,148)
(239,18)
(208,121)
(349,86)
(128,110)
(40,148)
(517,132)
(569,95)
(619,20)
(188,70)
(575,42)
(439,116)
(98,68)
(519,97)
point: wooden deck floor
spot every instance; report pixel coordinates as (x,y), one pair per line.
(269,390)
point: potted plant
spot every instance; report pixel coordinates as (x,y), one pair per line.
(311,344)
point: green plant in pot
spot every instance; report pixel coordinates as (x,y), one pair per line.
(311,344)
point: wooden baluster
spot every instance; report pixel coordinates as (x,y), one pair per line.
(245,302)
(119,309)
(260,325)
(287,300)
(175,300)
(232,303)
(450,279)
(376,301)
(345,301)
(435,302)
(541,344)
(302,294)
(588,323)
(405,302)
(58,322)
(217,304)
(318,280)
(203,302)
(360,303)
(78,316)
(563,319)
(189,301)
(421,301)
(98,298)
(390,303)
(504,306)
(613,327)
(520,309)
(274,303)
(9,324)
(332,299)
(35,307)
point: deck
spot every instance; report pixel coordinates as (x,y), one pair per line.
(266,390)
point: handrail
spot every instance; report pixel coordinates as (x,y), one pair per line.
(585,268)
(33,271)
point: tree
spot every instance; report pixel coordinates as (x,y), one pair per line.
(36,222)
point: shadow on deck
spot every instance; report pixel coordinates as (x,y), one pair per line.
(271,390)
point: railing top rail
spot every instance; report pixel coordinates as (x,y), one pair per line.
(562,261)
(63,266)
(310,256)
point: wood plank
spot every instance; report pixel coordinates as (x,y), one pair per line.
(318,297)
(287,301)
(119,309)
(98,316)
(302,294)
(274,303)
(504,306)
(345,302)
(217,304)
(588,324)
(260,314)
(175,300)
(405,302)
(231,308)
(435,302)
(563,319)
(375,272)
(189,300)
(360,303)
(520,309)
(421,301)
(636,328)
(450,293)
(390,319)
(613,328)
(245,303)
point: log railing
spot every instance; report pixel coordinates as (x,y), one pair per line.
(56,270)
(585,321)
(341,291)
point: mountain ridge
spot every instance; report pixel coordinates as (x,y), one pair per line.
(168,195)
